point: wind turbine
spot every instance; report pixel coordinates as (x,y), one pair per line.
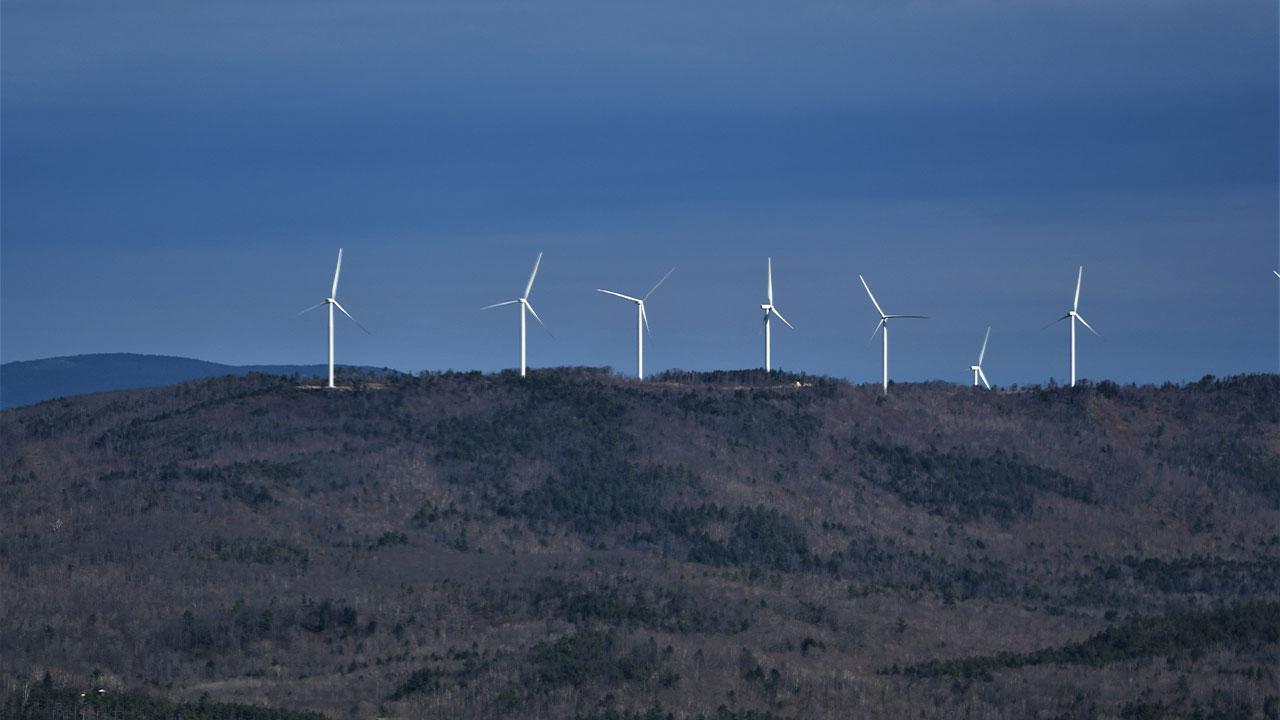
(770,310)
(977,369)
(332,302)
(524,305)
(642,320)
(884,323)
(1073,315)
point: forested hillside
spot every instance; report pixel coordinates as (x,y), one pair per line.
(575,544)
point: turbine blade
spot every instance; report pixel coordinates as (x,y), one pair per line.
(984,378)
(873,298)
(983,352)
(344,312)
(528,288)
(1055,322)
(645,317)
(1277,273)
(618,294)
(913,317)
(775,312)
(336,270)
(769,287)
(1075,305)
(535,317)
(1082,322)
(875,332)
(655,287)
(313,307)
(509,302)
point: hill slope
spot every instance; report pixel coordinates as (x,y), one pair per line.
(576,544)
(31,381)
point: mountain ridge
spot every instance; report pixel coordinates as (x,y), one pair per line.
(25,382)
(578,544)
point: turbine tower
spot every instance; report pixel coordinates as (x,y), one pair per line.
(884,323)
(332,302)
(977,369)
(523,300)
(642,320)
(770,310)
(1074,316)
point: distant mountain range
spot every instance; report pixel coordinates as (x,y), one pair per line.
(32,381)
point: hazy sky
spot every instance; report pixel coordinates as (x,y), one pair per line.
(177,178)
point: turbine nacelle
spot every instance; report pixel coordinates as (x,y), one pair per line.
(772,311)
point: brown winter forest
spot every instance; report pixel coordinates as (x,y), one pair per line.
(731,546)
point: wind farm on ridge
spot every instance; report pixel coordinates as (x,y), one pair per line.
(643,327)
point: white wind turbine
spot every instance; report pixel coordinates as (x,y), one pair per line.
(884,323)
(977,369)
(1073,315)
(769,311)
(524,305)
(642,320)
(332,302)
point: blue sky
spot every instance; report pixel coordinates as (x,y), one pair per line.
(177,178)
